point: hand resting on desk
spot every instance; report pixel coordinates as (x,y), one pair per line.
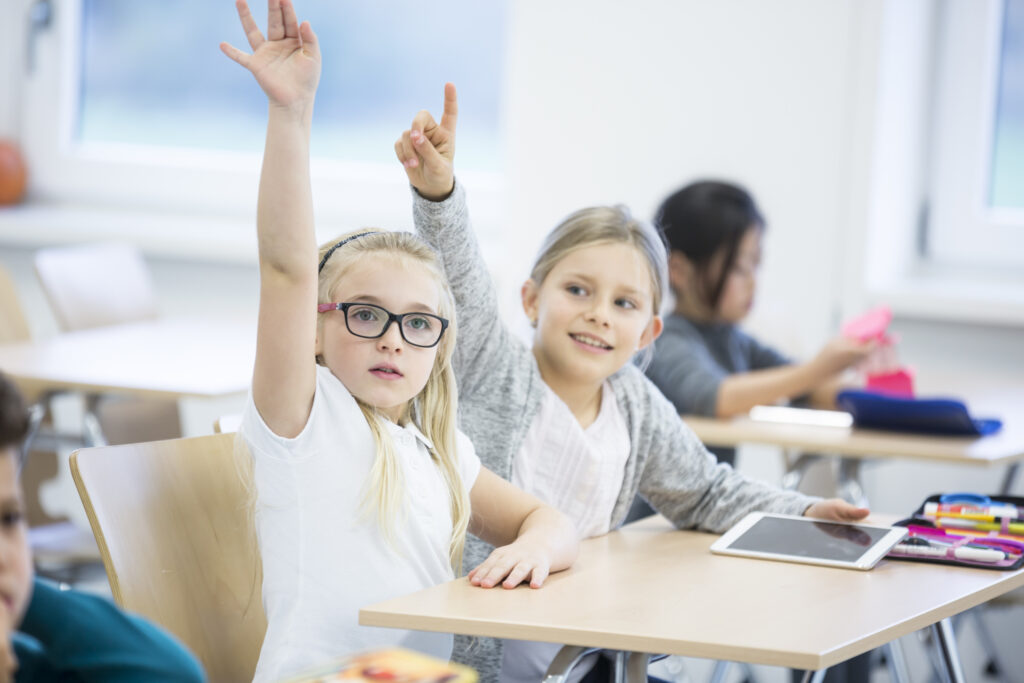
(837,510)
(532,539)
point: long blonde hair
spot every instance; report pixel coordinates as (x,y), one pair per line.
(433,410)
(607,225)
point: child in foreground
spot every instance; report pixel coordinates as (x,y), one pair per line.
(571,419)
(47,634)
(364,488)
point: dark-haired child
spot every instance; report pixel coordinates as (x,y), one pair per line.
(703,362)
(47,634)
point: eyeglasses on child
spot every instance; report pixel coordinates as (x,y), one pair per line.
(370,322)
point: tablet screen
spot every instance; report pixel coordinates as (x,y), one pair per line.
(804,538)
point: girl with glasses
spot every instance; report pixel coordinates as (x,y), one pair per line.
(364,489)
(572,419)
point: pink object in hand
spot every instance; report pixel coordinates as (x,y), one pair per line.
(871,325)
(899,383)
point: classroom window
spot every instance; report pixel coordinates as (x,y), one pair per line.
(135,102)
(977,171)
(1007,149)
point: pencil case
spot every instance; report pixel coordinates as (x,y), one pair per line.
(945,416)
(957,528)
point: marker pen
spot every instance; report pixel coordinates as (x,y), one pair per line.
(969,511)
(972,554)
(960,523)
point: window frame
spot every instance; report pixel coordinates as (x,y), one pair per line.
(962,229)
(211,186)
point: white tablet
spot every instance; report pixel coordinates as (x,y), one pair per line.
(813,541)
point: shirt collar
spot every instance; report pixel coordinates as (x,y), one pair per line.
(411,428)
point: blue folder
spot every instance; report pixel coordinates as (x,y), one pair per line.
(926,415)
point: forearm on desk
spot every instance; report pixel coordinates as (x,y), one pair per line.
(740,392)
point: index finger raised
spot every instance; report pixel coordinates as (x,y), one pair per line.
(451,108)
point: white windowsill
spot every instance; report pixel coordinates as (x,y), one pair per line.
(956,295)
(228,234)
(177,235)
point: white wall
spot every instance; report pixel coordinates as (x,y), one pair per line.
(612,102)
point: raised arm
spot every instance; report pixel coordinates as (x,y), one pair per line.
(485,348)
(286,64)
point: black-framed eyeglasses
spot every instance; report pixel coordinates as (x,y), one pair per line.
(370,322)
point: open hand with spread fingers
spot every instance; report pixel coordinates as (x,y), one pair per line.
(427,150)
(286,63)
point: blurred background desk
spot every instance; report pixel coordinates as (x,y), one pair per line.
(172,358)
(169,358)
(851,444)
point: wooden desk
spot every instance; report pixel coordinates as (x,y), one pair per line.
(649,588)
(174,358)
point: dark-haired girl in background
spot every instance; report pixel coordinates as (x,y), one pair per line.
(703,362)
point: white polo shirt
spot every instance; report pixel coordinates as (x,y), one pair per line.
(323,558)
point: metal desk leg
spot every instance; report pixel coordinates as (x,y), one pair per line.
(92,433)
(568,657)
(636,667)
(946,641)
(992,664)
(849,488)
(814,676)
(896,661)
(720,671)
(795,472)
(1008,477)
(619,668)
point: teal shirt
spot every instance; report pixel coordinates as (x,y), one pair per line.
(73,636)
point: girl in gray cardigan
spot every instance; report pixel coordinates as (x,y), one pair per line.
(552,417)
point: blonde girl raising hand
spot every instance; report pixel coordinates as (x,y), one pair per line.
(364,488)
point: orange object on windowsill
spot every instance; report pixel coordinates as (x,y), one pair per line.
(13,173)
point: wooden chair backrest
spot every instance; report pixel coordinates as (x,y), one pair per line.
(92,285)
(172,523)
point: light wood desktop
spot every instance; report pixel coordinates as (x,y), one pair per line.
(169,358)
(651,589)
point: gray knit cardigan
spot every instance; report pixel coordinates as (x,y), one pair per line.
(500,390)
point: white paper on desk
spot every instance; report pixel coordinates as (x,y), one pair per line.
(802,416)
